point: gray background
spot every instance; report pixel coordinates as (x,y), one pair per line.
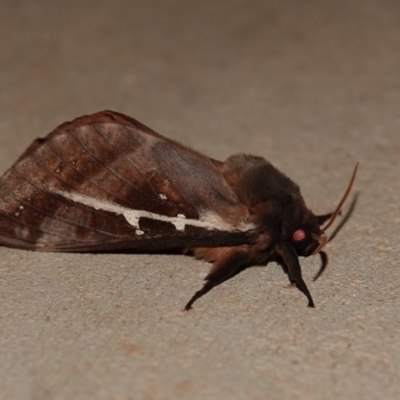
(313,86)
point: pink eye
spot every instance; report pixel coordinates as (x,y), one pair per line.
(298,235)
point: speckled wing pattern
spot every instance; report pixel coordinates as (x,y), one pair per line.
(106,182)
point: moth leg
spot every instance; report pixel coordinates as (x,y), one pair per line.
(225,267)
(323,218)
(324,263)
(291,261)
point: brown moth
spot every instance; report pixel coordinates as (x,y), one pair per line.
(106,182)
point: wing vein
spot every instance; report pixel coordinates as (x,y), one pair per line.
(112,171)
(64,200)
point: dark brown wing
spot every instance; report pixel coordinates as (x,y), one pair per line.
(107,182)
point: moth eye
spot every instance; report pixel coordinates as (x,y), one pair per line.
(298,235)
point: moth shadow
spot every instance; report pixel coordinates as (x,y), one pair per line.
(345,219)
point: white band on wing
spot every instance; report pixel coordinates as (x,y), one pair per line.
(208,220)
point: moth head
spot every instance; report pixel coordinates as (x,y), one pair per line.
(307,238)
(310,238)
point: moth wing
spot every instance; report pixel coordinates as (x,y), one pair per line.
(107,182)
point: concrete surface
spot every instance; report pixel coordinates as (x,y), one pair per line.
(313,86)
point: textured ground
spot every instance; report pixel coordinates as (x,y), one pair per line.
(313,86)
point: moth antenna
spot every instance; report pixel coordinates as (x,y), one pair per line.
(346,193)
(323,239)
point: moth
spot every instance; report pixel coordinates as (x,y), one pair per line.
(106,182)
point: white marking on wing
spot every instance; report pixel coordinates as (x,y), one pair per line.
(162,196)
(208,220)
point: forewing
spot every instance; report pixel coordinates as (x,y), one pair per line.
(106,182)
